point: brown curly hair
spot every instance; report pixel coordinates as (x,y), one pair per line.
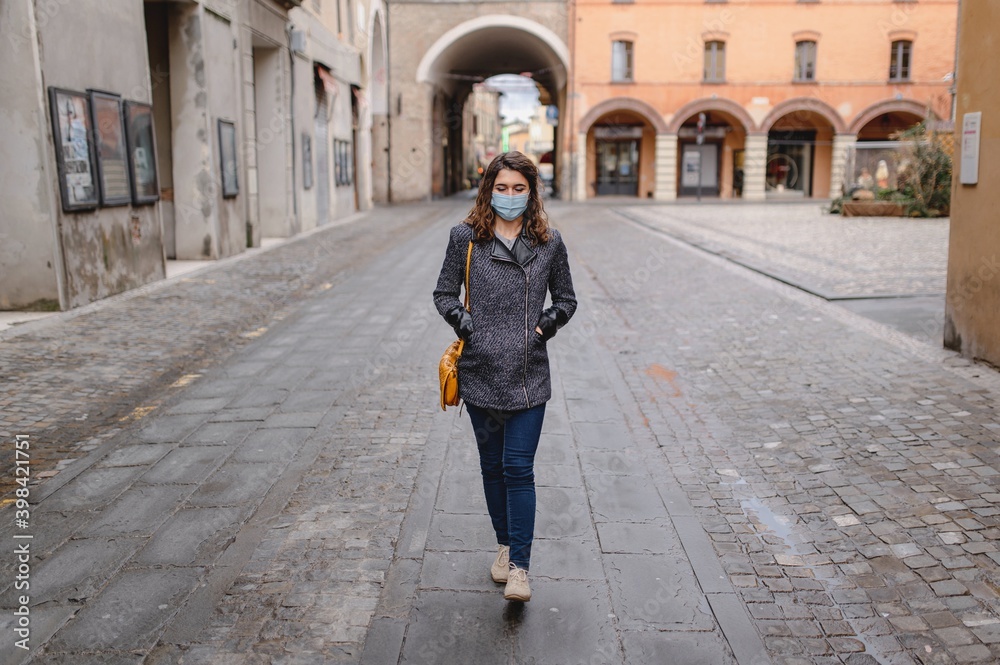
(482,218)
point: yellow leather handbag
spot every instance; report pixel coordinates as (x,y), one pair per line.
(448,367)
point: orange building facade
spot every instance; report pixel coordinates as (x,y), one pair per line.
(752,99)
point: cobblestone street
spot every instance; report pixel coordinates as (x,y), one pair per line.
(248,465)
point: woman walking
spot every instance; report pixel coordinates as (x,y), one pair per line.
(516,260)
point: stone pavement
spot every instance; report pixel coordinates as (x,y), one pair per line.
(75,378)
(832,256)
(890,270)
(732,471)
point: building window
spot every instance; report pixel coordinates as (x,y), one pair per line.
(805,61)
(899,60)
(343,162)
(715,62)
(621,61)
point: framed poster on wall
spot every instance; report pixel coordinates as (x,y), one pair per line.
(141,153)
(75,160)
(112,153)
(227,152)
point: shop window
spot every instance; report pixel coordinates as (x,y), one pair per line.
(621,61)
(715,62)
(899,60)
(805,61)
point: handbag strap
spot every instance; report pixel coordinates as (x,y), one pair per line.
(468,264)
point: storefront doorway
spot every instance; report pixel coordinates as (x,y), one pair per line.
(618,164)
(790,156)
(699,169)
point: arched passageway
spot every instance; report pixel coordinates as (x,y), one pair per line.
(431,145)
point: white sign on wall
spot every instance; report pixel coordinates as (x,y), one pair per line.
(691,168)
(971,128)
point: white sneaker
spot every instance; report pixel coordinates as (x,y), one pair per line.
(517,585)
(498,571)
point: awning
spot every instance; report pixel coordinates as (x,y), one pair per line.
(329,82)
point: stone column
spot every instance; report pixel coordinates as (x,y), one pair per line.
(842,144)
(754,167)
(580,164)
(666,167)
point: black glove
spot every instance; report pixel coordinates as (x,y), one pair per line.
(461,321)
(550,321)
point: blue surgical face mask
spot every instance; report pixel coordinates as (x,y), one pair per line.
(510,206)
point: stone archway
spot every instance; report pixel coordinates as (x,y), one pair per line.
(439,79)
(485,27)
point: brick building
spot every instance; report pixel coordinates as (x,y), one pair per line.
(784,86)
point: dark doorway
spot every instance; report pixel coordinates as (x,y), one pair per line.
(618,167)
(790,162)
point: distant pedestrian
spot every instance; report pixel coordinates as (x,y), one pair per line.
(503,374)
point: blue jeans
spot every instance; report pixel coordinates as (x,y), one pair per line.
(507,443)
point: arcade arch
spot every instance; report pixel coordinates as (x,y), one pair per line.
(621,154)
(880,121)
(619,139)
(716,166)
(800,138)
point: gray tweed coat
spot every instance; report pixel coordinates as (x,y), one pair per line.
(505,364)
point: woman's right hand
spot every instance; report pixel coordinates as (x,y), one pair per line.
(460,319)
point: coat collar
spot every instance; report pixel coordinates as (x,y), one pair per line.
(522,252)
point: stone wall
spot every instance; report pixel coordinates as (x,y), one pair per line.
(29,262)
(110,249)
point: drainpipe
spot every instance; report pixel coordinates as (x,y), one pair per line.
(954,72)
